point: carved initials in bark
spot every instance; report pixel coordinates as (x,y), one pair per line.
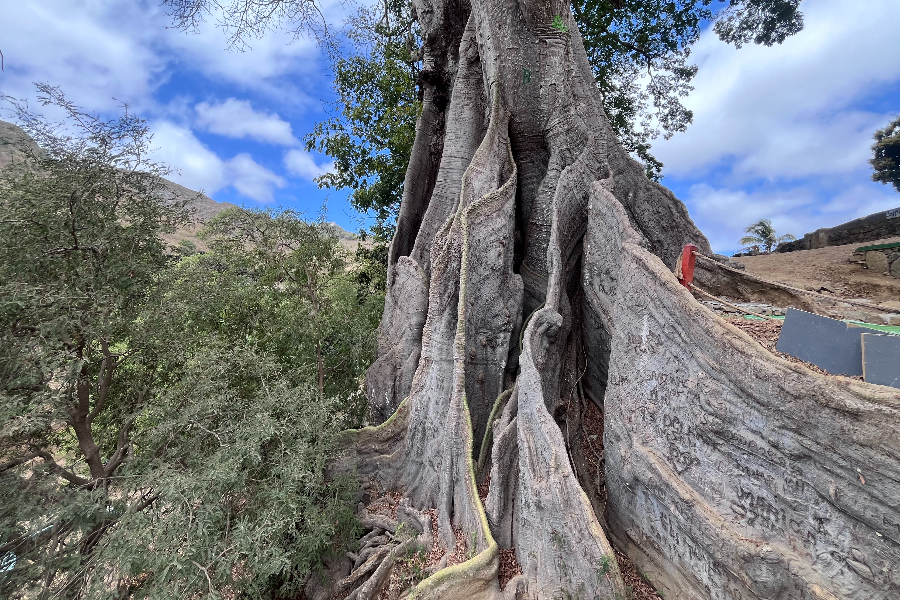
(731,474)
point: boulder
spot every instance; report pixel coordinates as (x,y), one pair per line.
(877,261)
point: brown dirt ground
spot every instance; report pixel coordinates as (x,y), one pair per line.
(509,567)
(829,267)
(641,589)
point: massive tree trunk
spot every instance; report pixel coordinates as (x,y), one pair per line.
(531,275)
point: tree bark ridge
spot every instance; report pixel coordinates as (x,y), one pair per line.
(541,267)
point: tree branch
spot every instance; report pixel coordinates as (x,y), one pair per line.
(10,464)
(65,474)
(122,446)
(107,365)
(78,420)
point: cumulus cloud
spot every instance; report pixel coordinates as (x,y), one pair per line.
(93,50)
(302,164)
(791,110)
(723,213)
(784,133)
(252,179)
(97,50)
(277,65)
(199,168)
(236,119)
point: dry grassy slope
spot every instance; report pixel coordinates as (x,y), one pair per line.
(12,138)
(831,268)
(205,208)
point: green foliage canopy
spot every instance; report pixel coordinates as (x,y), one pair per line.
(165,419)
(886,150)
(371,134)
(80,250)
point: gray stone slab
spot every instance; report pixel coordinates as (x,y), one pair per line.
(881,359)
(827,343)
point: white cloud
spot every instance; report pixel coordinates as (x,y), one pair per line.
(791,110)
(723,213)
(273,66)
(95,51)
(252,179)
(236,119)
(302,164)
(199,168)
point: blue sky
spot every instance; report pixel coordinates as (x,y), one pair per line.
(780,133)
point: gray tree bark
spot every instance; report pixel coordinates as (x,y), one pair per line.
(530,273)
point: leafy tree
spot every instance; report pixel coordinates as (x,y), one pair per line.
(372,132)
(80,250)
(886,162)
(165,421)
(236,452)
(762,233)
(319,314)
(262,342)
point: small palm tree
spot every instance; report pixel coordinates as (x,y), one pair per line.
(763,234)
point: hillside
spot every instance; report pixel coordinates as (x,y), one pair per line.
(830,268)
(13,137)
(11,140)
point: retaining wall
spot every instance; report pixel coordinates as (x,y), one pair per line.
(866,229)
(883,260)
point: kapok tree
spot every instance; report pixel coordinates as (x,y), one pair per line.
(529,276)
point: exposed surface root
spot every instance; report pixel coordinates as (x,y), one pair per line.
(509,566)
(394,554)
(408,571)
(641,589)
